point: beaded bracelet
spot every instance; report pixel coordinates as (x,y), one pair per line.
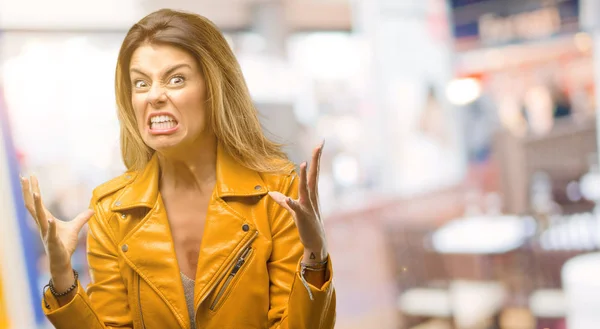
(71,288)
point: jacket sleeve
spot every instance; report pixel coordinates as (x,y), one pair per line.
(291,305)
(105,304)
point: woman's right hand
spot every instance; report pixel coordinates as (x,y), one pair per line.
(59,237)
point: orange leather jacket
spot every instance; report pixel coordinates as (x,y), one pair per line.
(136,281)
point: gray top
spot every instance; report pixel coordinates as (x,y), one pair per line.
(188,289)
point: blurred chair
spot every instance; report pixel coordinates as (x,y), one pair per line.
(568,236)
(477,250)
(476,304)
(547,300)
(422,278)
(580,278)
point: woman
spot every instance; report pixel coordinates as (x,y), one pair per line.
(187,237)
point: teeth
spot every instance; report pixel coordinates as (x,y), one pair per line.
(161,118)
(163,125)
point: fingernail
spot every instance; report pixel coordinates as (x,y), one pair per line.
(322,144)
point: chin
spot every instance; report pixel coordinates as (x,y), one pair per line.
(168,147)
(164,144)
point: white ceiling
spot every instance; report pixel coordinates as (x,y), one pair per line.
(117,15)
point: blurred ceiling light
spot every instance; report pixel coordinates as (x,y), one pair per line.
(463,91)
(345,169)
(589,186)
(328,55)
(583,42)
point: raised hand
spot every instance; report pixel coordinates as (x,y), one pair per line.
(59,237)
(305,210)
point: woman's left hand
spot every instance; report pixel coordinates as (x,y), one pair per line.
(305,210)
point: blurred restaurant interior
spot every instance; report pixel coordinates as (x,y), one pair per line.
(460,181)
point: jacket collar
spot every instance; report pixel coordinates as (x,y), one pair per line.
(233,179)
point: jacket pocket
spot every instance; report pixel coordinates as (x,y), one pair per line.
(230,280)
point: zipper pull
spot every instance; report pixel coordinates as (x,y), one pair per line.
(237,267)
(240,262)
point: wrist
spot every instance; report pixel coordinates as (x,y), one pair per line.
(60,269)
(63,279)
(314,256)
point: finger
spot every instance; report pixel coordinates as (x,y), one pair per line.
(313,176)
(36,189)
(279,198)
(51,228)
(82,219)
(41,213)
(28,198)
(35,185)
(303,197)
(295,206)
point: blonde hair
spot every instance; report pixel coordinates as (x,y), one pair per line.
(233,117)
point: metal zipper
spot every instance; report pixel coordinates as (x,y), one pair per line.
(238,265)
(140,302)
(219,280)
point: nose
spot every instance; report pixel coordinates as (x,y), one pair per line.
(157,96)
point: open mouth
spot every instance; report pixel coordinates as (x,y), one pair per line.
(162,122)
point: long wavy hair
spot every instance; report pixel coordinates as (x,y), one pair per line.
(232,115)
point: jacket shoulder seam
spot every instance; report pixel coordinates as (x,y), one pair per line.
(113,185)
(103,222)
(279,178)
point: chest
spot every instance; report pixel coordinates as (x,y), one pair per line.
(187,216)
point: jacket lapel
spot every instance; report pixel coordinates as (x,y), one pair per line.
(150,250)
(227,229)
(149,246)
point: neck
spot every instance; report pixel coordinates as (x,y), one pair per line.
(194,169)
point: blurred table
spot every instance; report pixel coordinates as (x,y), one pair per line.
(472,248)
(483,235)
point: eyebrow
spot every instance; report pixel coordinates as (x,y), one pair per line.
(167,72)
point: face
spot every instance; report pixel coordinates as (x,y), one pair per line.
(168,97)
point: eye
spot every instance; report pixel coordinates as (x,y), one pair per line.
(140,84)
(176,80)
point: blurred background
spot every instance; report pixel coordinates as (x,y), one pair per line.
(460,177)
